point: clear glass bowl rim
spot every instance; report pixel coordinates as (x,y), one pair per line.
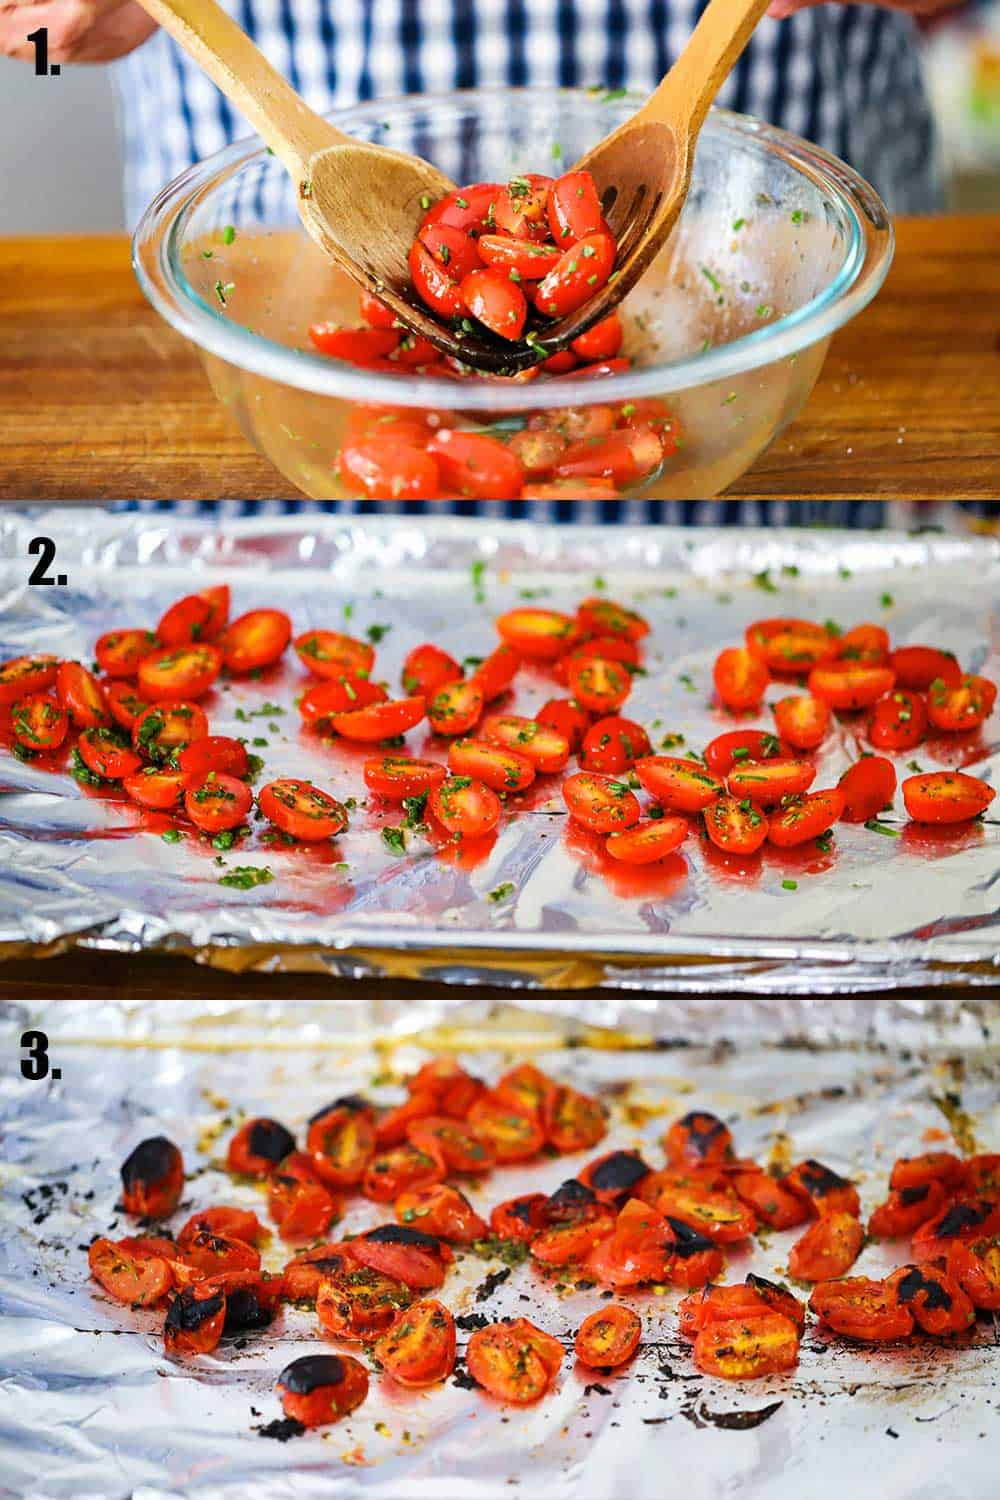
(156,259)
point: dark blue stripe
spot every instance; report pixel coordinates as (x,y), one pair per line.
(617,28)
(463,35)
(365,86)
(410,40)
(517,31)
(814,27)
(782,56)
(658,19)
(290,35)
(566,25)
(328,37)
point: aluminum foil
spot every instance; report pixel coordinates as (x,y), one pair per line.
(911,907)
(93,1410)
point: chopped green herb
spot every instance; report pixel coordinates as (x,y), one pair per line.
(172,836)
(228,235)
(875,826)
(501,892)
(376,633)
(394,839)
(245,877)
(789,885)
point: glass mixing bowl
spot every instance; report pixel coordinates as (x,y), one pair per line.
(778,246)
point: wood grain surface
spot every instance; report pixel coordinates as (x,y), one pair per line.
(100,400)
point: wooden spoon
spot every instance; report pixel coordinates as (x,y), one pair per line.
(362,203)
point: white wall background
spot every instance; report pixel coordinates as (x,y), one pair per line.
(60,166)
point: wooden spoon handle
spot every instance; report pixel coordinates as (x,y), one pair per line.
(686,93)
(222,50)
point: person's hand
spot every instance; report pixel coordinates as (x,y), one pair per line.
(779,9)
(89,31)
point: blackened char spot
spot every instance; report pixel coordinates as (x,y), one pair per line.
(150,1162)
(346,1101)
(619,1172)
(821,1180)
(914,1194)
(521,1208)
(188,1312)
(962,1216)
(401,1234)
(936,1296)
(282,1428)
(738,1421)
(569,1196)
(244,1312)
(702,1129)
(311,1372)
(270,1139)
(761,1283)
(688,1241)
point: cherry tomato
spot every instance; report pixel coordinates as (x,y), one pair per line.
(545,748)
(495,301)
(218,803)
(384,468)
(392,1127)
(301,1210)
(465,807)
(639,1249)
(571,1242)
(468,208)
(864,643)
(342,695)
(216,752)
(155,788)
(754,1298)
(257,639)
(152,1179)
(514,1361)
(574,209)
(119,652)
(743,1349)
(608,647)
(767,782)
(530,261)
(374,312)
(138,1281)
(850,686)
(232,1223)
(426,669)
(613,744)
(179,672)
(604,617)
(580,272)
(341,1141)
(102,752)
(318,1389)
(572,1121)
(520,206)
(196,617)
(868,787)
(519,1218)
(456,1144)
(735,827)
(963,707)
(898,721)
(740,678)
(602,341)
(934,1297)
(379,721)
(358,346)
(737,746)
(825,1190)
(829,1247)
(648,841)
(475,464)
(525,1087)
(80,694)
(399,1170)
(396,777)
(496,672)
(124,705)
(442,1211)
(967,1220)
(456,708)
(164,728)
(681,785)
(301,810)
(511,1134)
(452,248)
(946,797)
(862,1309)
(906,1209)
(195,1320)
(21,675)
(802,720)
(39,723)
(330,654)
(503,770)
(211,1254)
(698,1138)
(770,1199)
(976,1267)
(258,1147)
(807,817)
(933,1166)
(980,1176)
(434,285)
(598,683)
(916,667)
(625,456)
(600,803)
(419,1348)
(360,1301)
(540,634)
(789,647)
(616,1176)
(568,719)
(720,1216)
(306,1272)
(404,1254)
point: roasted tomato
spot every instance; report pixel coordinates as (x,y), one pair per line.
(218,803)
(934,1297)
(398,1170)
(442,1211)
(571,1243)
(419,1348)
(639,1249)
(546,748)
(754,1298)
(330,654)
(520,1218)
(868,788)
(396,777)
(800,819)
(769,1198)
(609,1337)
(766,783)
(179,672)
(737,746)
(341,1141)
(735,826)
(510,1135)
(698,1138)
(81,695)
(466,808)
(825,1190)
(862,1309)
(976,1267)
(304,1274)
(540,634)
(967,1220)
(360,1301)
(681,785)
(906,1209)
(301,810)
(600,803)
(828,1248)
(801,720)
(740,678)
(232,1223)
(946,797)
(212,1254)
(524,1087)
(195,1320)
(136,1280)
(514,1361)
(392,1127)
(615,1177)
(39,723)
(321,1388)
(720,1216)
(301,1210)
(789,647)
(980,1177)
(612,745)
(933,1166)
(898,721)
(152,1179)
(503,770)
(258,1147)
(257,639)
(455,1143)
(572,1121)
(747,1348)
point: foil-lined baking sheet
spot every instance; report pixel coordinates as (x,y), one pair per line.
(541,905)
(93,1410)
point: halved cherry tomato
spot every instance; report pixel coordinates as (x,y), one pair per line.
(103,752)
(392,1127)
(574,209)
(396,777)
(119,652)
(946,797)
(155,787)
(769,1198)
(496,672)
(934,1297)
(613,744)
(828,1248)
(754,1298)
(768,782)
(850,686)
(164,728)
(648,841)
(185,672)
(339,695)
(600,803)
(419,1348)
(496,302)
(864,643)
(301,810)
(698,1138)
(598,683)
(359,346)
(898,721)
(681,785)
(616,1176)
(453,1090)
(456,708)
(525,1087)
(81,695)
(868,787)
(862,1309)
(737,746)
(301,1210)
(906,1209)
(385,468)
(211,1254)
(604,617)
(510,1134)
(379,721)
(442,1211)
(802,720)
(639,1249)
(740,678)
(21,675)
(220,802)
(398,1170)
(625,456)
(304,1273)
(332,655)
(258,1147)
(433,284)
(152,1178)
(468,208)
(720,1216)
(934,1166)
(976,1268)
(475,464)
(980,1176)
(520,1218)
(193,618)
(503,770)
(465,807)
(195,1320)
(232,1223)
(257,639)
(39,723)
(124,704)
(138,1281)
(216,752)
(790,647)
(572,1121)
(608,647)
(404,1254)
(454,248)
(456,1144)
(571,1243)
(807,817)
(961,707)
(360,1301)
(426,669)
(916,667)
(825,1190)
(735,826)
(321,1388)
(540,634)
(967,1220)
(567,718)
(545,748)
(341,1140)
(514,1361)
(532,262)
(580,272)
(602,341)
(520,206)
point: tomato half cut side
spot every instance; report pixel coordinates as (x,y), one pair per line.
(862,1309)
(735,826)
(456,708)
(806,817)
(21,675)
(418,1349)
(441,1210)
(81,695)
(155,788)
(39,722)
(599,684)
(396,777)
(505,1359)
(767,782)
(511,1134)
(119,652)
(600,803)
(256,639)
(216,752)
(802,720)
(137,1281)
(165,728)
(331,654)
(501,769)
(747,1349)
(962,707)
(678,784)
(465,807)
(124,704)
(302,810)
(179,672)
(218,802)
(740,678)
(648,841)
(946,797)
(829,1248)
(319,1389)
(609,1337)
(540,634)
(546,748)
(103,752)
(379,721)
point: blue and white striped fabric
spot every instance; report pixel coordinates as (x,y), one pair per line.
(845,76)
